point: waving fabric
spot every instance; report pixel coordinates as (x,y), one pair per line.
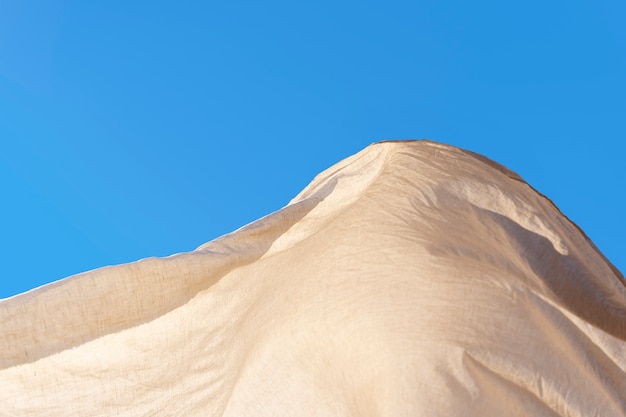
(411,279)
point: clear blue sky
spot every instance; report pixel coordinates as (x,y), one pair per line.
(145,128)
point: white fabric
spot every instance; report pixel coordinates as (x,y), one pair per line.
(411,279)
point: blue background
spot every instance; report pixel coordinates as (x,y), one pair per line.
(146,128)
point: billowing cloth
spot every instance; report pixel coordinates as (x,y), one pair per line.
(411,279)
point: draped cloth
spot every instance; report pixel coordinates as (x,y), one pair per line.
(411,279)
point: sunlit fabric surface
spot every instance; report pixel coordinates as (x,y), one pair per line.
(411,279)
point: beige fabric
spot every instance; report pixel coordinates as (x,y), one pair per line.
(411,279)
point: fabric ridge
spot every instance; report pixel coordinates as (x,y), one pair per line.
(411,279)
